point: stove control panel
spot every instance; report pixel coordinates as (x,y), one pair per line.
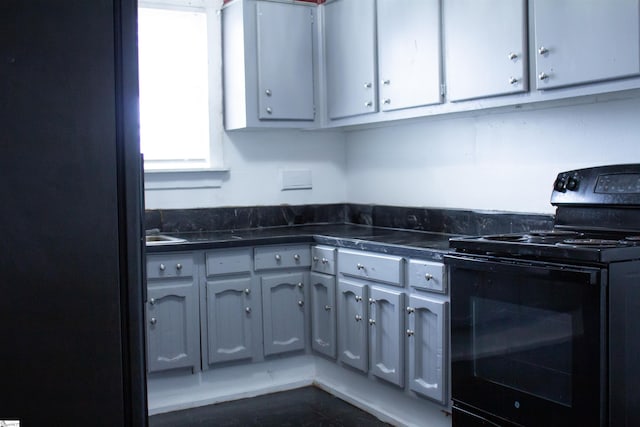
(602,185)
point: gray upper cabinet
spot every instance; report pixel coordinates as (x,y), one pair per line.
(268,53)
(427,347)
(352,321)
(409,53)
(485,48)
(386,324)
(323,314)
(350,58)
(229,319)
(283,308)
(580,42)
(173,336)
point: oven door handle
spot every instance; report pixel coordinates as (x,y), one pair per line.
(587,275)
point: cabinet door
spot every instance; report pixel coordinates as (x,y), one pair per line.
(229,307)
(283,312)
(323,314)
(579,42)
(386,324)
(485,48)
(408,53)
(352,318)
(426,335)
(285,61)
(350,58)
(172,330)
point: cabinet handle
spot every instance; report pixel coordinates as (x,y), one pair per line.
(178,266)
(410,332)
(543,76)
(358,298)
(368,104)
(387,101)
(269,110)
(301,303)
(368,85)
(372,322)
(153,321)
(247,291)
(372,301)
(360,267)
(162,267)
(386,82)
(428,277)
(278,257)
(300,285)
(410,310)
(513,80)
(358,318)
(327,308)
(152,301)
(247,310)
(543,50)
(325,261)
(296,257)
(267,92)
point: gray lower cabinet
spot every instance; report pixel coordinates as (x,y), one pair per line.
(352,324)
(283,312)
(426,332)
(229,319)
(323,313)
(386,338)
(173,336)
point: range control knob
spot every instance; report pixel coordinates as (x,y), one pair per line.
(572,184)
(560,185)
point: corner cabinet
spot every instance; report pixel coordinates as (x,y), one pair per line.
(268,64)
(173,335)
(580,43)
(485,48)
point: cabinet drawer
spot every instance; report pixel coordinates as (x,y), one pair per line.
(323,259)
(282,257)
(382,268)
(427,275)
(228,261)
(170,265)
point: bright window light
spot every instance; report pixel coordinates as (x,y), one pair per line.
(174,93)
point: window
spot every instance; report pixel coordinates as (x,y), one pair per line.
(179,85)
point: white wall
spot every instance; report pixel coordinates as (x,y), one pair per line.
(499,161)
(256,159)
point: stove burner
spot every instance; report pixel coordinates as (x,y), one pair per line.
(552,233)
(632,238)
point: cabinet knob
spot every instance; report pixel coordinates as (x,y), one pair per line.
(512,56)
(368,85)
(296,257)
(543,76)
(386,82)
(316,259)
(428,277)
(162,267)
(152,301)
(247,310)
(410,332)
(247,291)
(300,285)
(372,322)
(278,257)
(178,266)
(372,301)
(267,92)
(410,310)
(543,50)
(368,104)
(269,110)
(360,266)
(325,261)
(358,318)
(327,308)
(153,321)
(387,101)
(513,80)
(300,303)
(358,298)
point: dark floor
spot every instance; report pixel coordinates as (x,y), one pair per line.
(308,407)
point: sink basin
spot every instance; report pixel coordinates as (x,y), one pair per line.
(161,239)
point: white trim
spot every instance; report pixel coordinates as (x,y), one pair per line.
(183,179)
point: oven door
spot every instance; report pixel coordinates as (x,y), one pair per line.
(528,340)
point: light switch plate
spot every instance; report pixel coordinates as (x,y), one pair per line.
(296,179)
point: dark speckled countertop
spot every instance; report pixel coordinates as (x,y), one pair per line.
(418,244)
